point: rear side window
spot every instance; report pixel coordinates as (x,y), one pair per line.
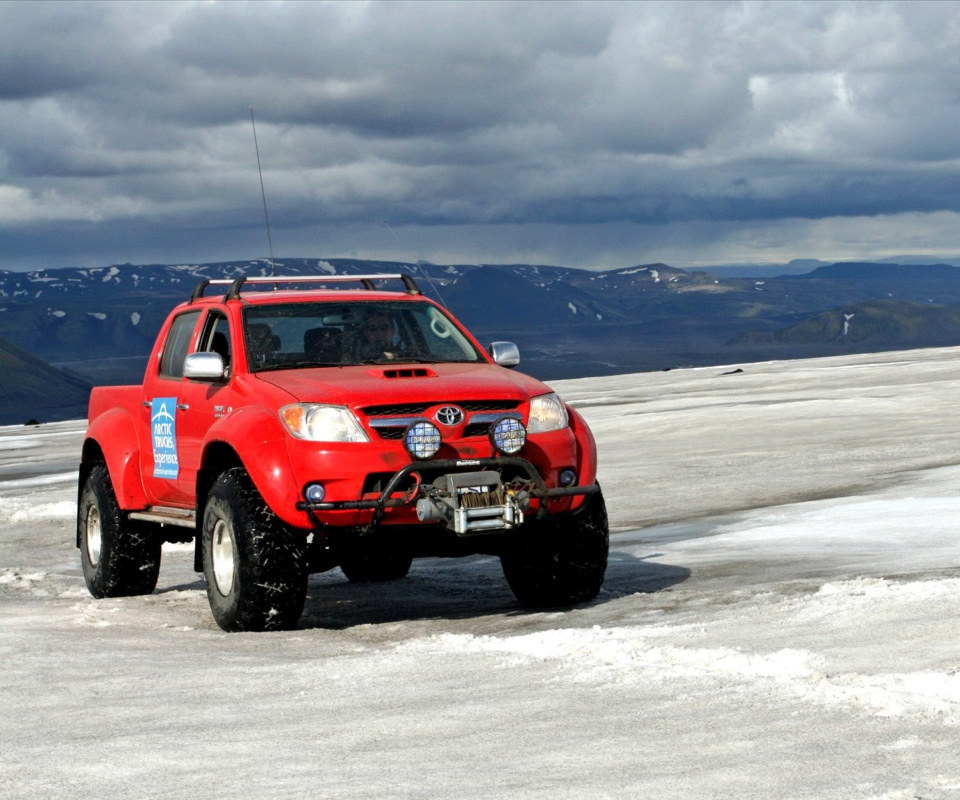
(175,348)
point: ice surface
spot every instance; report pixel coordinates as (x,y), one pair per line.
(781,619)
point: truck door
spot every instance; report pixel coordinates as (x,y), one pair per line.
(161,413)
(202,402)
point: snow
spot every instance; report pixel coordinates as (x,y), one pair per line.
(97,315)
(135,318)
(780,619)
(572,307)
(58,314)
(110,273)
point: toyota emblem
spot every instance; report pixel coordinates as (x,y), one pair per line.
(449,415)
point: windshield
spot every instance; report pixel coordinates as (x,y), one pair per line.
(331,334)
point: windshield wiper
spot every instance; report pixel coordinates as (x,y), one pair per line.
(294,365)
(395,361)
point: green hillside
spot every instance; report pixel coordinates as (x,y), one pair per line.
(32,389)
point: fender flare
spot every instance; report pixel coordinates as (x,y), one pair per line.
(586,452)
(257,437)
(114,434)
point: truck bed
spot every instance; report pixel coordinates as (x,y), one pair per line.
(104,398)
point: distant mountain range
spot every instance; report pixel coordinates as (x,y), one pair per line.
(887,324)
(100,323)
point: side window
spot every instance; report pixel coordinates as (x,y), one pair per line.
(215,338)
(175,348)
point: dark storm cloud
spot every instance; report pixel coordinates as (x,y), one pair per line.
(125,127)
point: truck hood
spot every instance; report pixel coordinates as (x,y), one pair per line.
(359,386)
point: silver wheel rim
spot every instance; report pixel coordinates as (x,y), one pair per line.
(222,553)
(94,537)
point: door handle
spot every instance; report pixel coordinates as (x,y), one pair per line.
(182,407)
(148,403)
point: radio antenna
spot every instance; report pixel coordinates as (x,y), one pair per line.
(273,267)
(425,273)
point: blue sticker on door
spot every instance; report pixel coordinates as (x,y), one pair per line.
(163,431)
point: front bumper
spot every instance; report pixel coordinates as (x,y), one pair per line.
(535,489)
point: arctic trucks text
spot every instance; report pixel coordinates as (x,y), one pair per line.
(292,430)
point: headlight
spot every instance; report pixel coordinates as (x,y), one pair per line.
(547,413)
(319,423)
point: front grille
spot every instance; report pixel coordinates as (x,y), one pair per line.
(414,409)
(480,429)
(397,410)
(476,429)
(489,405)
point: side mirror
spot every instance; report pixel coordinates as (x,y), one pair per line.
(504,353)
(203,367)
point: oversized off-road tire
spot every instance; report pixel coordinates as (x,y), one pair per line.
(561,562)
(375,565)
(120,558)
(254,564)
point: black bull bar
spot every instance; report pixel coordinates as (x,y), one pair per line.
(540,490)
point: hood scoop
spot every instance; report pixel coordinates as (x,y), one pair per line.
(404,372)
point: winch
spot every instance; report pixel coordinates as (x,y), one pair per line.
(472,502)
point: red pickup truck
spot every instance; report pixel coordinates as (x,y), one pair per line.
(291,431)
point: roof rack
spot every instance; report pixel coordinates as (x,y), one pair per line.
(235,284)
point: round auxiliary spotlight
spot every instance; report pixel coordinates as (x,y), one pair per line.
(508,435)
(422,439)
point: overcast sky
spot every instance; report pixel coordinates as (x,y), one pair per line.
(592,135)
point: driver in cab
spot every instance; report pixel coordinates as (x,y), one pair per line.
(378,338)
